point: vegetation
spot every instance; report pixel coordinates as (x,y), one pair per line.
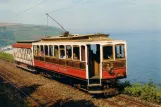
(10,97)
(13,33)
(148,91)
(6,56)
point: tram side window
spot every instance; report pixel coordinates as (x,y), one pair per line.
(46,50)
(62,52)
(51,50)
(56,52)
(76,54)
(42,50)
(68,51)
(38,51)
(107,52)
(35,50)
(119,51)
(82,53)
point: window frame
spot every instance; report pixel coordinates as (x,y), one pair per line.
(64,47)
(45,50)
(57,51)
(38,50)
(35,49)
(73,53)
(81,53)
(113,51)
(123,51)
(41,51)
(51,51)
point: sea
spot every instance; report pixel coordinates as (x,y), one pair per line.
(143,56)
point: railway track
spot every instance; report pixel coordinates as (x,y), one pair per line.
(119,101)
(35,100)
(122,101)
(132,101)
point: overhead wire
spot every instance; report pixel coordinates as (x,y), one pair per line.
(46,27)
(31,7)
(70,6)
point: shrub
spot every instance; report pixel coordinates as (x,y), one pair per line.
(158,95)
(134,90)
(149,92)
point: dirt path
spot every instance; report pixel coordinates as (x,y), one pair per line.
(45,91)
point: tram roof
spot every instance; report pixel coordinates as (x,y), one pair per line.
(78,38)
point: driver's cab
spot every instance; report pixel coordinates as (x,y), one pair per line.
(106,60)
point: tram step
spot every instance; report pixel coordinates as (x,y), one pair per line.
(96,92)
(94,81)
(94,85)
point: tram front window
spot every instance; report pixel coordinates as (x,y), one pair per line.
(119,51)
(107,53)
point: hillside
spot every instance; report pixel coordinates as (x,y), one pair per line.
(10,33)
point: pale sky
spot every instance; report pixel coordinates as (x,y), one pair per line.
(94,16)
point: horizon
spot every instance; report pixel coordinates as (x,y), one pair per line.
(104,16)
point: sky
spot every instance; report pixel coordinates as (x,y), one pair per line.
(89,15)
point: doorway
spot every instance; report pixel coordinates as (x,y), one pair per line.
(93,60)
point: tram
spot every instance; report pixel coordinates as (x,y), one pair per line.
(92,61)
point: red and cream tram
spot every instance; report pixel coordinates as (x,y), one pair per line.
(94,60)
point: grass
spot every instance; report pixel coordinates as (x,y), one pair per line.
(6,56)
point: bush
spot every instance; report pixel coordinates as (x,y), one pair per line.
(134,90)
(147,91)
(6,56)
(158,96)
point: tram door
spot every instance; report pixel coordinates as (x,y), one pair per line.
(94,60)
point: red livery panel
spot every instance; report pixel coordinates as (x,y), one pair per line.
(20,45)
(117,73)
(61,69)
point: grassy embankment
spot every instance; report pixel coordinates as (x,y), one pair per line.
(6,56)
